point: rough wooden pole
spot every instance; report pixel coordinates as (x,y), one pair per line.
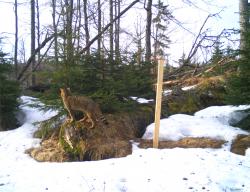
(158,103)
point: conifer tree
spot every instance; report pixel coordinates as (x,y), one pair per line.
(9,92)
(238,84)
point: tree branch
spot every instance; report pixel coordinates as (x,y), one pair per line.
(107,26)
(31,58)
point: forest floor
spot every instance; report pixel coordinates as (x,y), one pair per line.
(147,170)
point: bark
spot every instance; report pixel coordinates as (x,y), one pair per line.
(244,22)
(99,40)
(148,31)
(38,28)
(79,24)
(16,39)
(69,33)
(55,31)
(117,30)
(111,31)
(86,25)
(33,40)
(107,26)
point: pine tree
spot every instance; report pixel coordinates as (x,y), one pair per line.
(9,92)
(161,21)
(239,83)
(217,53)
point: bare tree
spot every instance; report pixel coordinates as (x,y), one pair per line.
(99,27)
(33,40)
(111,31)
(69,33)
(38,28)
(117,30)
(79,23)
(107,26)
(244,22)
(86,25)
(148,30)
(16,39)
(55,31)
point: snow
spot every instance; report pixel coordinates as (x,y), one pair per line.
(167,92)
(211,122)
(147,170)
(189,87)
(142,100)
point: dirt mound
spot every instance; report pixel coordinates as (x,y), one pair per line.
(77,142)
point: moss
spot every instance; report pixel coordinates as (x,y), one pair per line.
(77,147)
(188,104)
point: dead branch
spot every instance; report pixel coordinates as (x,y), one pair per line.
(39,62)
(32,57)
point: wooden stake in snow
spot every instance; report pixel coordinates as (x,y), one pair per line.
(158,102)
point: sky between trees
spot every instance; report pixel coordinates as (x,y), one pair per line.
(191,15)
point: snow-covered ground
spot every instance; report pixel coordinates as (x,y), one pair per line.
(146,170)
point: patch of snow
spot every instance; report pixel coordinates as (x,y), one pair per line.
(149,170)
(179,126)
(248,153)
(225,114)
(167,92)
(189,87)
(142,100)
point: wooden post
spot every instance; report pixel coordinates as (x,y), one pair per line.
(158,103)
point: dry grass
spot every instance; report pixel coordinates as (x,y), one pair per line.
(189,142)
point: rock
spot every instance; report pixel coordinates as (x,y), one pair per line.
(188,142)
(240,144)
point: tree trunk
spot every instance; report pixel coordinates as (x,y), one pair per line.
(69,33)
(55,31)
(244,21)
(117,30)
(148,31)
(16,40)
(38,30)
(79,14)
(111,33)
(99,40)
(32,57)
(33,40)
(86,25)
(108,26)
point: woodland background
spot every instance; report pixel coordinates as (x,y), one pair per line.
(84,47)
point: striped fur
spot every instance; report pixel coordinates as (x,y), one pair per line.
(91,110)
